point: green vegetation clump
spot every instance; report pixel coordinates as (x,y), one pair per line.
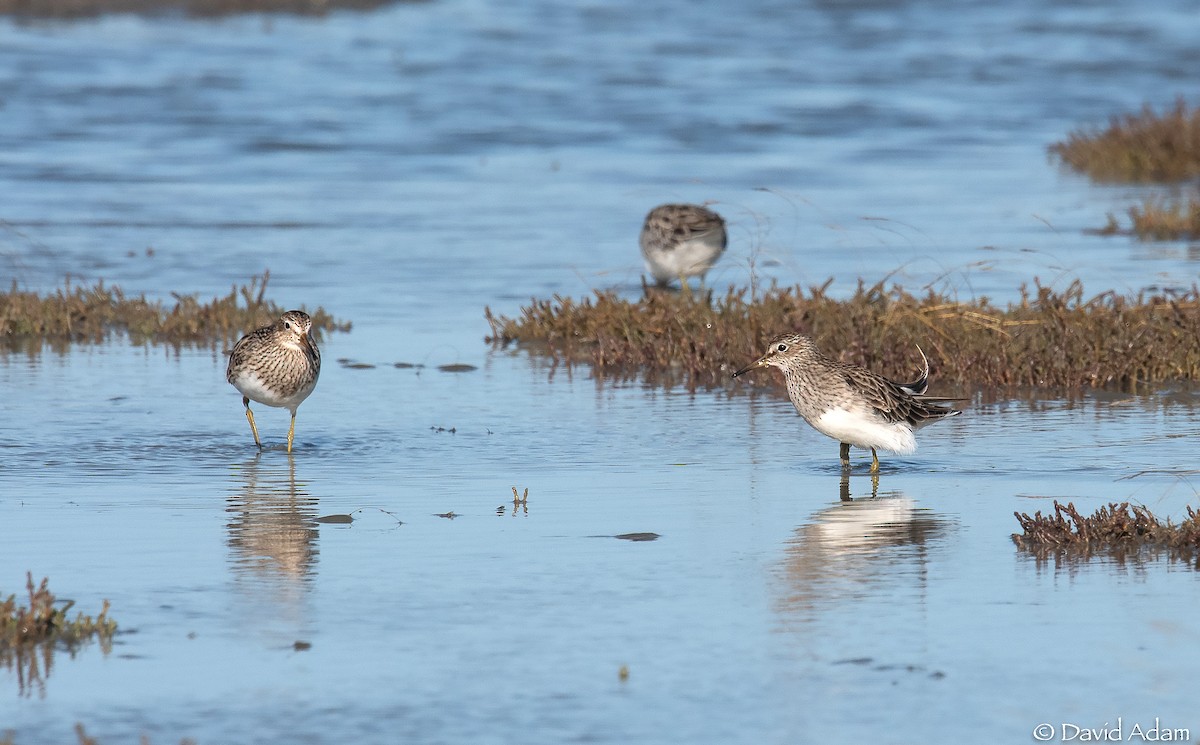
(30,634)
(1143,147)
(1159,219)
(93,314)
(1050,339)
(1118,529)
(42,621)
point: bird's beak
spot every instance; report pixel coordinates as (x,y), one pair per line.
(307,341)
(760,362)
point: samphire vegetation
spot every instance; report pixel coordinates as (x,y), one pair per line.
(29,634)
(1143,147)
(94,313)
(1117,529)
(43,620)
(1160,219)
(1049,339)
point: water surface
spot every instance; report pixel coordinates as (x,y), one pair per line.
(407,167)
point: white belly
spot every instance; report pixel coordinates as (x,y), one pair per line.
(688,259)
(865,430)
(252,387)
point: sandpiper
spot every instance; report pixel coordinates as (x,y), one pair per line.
(680,241)
(276,365)
(850,403)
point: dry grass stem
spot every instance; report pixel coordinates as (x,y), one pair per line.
(1049,339)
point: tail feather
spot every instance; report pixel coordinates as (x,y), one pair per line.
(921,384)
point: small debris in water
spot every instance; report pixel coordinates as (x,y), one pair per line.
(451,430)
(407,366)
(623,673)
(301,646)
(457,368)
(887,668)
(447,515)
(343,519)
(520,502)
(352,365)
(638,536)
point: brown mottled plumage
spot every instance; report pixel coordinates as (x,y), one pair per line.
(276,365)
(850,403)
(680,241)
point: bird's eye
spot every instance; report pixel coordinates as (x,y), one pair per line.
(287,325)
(781,348)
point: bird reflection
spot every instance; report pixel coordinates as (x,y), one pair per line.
(272,535)
(855,545)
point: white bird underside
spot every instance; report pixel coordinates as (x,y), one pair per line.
(253,388)
(866,430)
(688,259)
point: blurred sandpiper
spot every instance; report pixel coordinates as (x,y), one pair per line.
(680,241)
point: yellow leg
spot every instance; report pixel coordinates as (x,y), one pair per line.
(250,418)
(874,461)
(291,431)
(844,453)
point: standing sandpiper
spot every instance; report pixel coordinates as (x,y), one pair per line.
(851,404)
(276,365)
(680,241)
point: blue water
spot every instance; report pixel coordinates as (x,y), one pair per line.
(406,168)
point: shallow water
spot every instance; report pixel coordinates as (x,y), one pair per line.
(407,167)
